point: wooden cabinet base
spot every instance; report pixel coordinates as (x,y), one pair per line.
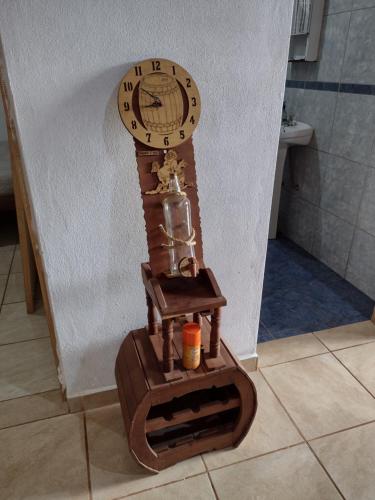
(199,411)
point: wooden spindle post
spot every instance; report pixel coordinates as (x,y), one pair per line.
(197,318)
(167,330)
(215,334)
(151,316)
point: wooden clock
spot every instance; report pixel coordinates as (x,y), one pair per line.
(159,103)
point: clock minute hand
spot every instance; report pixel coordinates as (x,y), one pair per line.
(153,96)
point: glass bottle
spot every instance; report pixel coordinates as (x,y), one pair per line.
(177,216)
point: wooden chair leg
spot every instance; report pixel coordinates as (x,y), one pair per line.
(167,330)
(215,334)
(151,316)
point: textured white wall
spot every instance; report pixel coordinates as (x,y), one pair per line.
(65,60)
(3,129)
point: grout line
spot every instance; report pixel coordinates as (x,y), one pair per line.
(39,420)
(282,405)
(325,470)
(257,456)
(209,477)
(295,359)
(351,346)
(7,279)
(30,395)
(89,484)
(352,374)
(159,486)
(341,430)
(23,341)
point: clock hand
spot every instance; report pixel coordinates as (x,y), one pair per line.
(155,104)
(153,96)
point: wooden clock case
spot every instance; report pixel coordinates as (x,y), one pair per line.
(171,413)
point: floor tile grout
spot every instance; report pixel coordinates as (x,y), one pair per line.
(325,470)
(89,484)
(23,341)
(352,374)
(341,430)
(7,280)
(158,486)
(32,394)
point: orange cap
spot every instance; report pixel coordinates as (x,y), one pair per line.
(191,334)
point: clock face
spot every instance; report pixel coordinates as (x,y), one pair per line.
(159,103)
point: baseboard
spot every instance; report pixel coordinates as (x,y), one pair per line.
(250,363)
(93,400)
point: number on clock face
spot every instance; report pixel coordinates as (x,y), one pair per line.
(159,103)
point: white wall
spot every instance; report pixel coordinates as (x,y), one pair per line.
(65,60)
(3,129)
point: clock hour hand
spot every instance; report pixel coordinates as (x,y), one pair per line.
(151,95)
(155,104)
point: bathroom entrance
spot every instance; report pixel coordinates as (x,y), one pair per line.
(320,267)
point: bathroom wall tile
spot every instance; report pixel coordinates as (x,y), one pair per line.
(366,218)
(342,187)
(318,110)
(359,64)
(332,48)
(362,4)
(332,240)
(334,6)
(294,100)
(306,172)
(353,131)
(361,268)
(299,220)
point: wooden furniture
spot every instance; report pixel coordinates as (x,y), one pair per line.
(167,422)
(171,413)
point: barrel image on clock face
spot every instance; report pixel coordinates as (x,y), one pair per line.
(168,116)
(159,103)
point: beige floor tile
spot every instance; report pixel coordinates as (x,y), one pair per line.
(27,368)
(349,458)
(360,361)
(6,255)
(44,460)
(3,282)
(288,349)
(29,408)
(15,291)
(17,261)
(291,474)
(320,395)
(114,473)
(272,429)
(347,335)
(194,488)
(16,325)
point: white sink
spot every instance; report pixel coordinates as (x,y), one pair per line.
(297,134)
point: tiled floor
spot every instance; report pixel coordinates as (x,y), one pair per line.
(301,295)
(313,436)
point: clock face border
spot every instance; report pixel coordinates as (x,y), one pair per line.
(128,103)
